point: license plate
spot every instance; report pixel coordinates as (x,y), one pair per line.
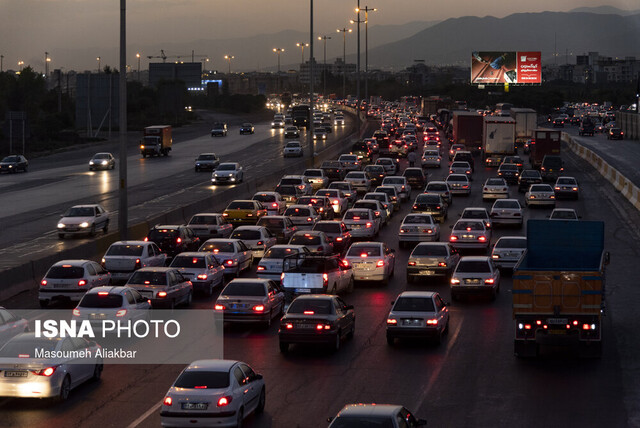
(559,332)
(195,406)
(427,272)
(472,281)
(558,321)
(97,316)
(411,322)
(238,306)
(15,373)
(60,286)
(467,236)
(303,290)
(72,229)
(306,326)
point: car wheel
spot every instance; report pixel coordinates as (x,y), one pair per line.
(261,402)
(105,229)
(350,286)
(189,299)
(336,344)
(197,169)
(284,347)
(267,323)
(92,231)
(353,330)
(44,304)
(240,418)
(90,168)
(97,371)
(210,289)
(65,388)
(391,340)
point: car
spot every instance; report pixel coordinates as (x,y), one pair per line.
(455,148)
(399,148)
(207,161)
(320,133)
(508,251)
(46,378)
(173,239)
(219,129)
(70,280)
(362,150)
(517,160)
(495,188)
(350,162)
(461,167)
(418,228)
(337,199)
(251,300)
(551,168)
(210,225)
(470,234)
(163,286)
(417,315)
(338,120)
(14,163)
(506,211)
(302,216)
(415,177)
(509,171)
(361,222)
(429,203)
(527,178)
(392,194)
(244,212)
(333,170)
(316,318)
(431,260)
(292,132)
(431,158)
(299,181)
(337,231)
(293,149)
(247,128)
(83,219)
(272,201)
(317,178)
(566,187)
(475,274)
(271,265)
(564,214)
(440,188)
(371,261)
(558,122)
(377,207)
(359,180)
(459,184)
(113,303)
(201,268)
(316,241)
(480,213)
(401,184)
(102,160)
(257,238)
(347,189)
(540,195)
(11,325)
(372,144)
(223,391)
(277,124)
(615,134)
(227,173)
(390,166)
(375,415)
(464,156)
(289,193)
(322,204)
(125,257)
(233,254)
(280,226)
(384,199)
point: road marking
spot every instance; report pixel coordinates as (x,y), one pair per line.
(145,415)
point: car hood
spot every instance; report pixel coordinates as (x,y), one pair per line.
(76,220)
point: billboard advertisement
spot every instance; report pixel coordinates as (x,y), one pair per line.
(514,68)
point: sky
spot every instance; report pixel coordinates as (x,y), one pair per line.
(81,30)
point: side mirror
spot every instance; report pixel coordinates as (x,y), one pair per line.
(258,377)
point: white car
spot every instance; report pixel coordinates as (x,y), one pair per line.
(392,193)
(400,183)
(371,261)
(213,390)
(377,208)
(124,304)
(540,194)
(418,228)
(271,264)
(440,188)
(303,216)
(293,149)
(163,286)
(350,162)
(376,415)
(417,315)
(564,214)
(11,325)
(361,222)
(83,219)
(470,234)
(300,181)
(495,188)
(125,257)
(359,180)
(70,280)
(390,166)
(459,184)
(50,377)
(319,133)
(431,158)
(508,251)
(460,167)
(251,300)
(272,201)
(317,178)
(567,187)
(257,238)
(210,225)
(383,198)
(506,211)
(339,201)
(346,187)
(480,213)
(475,275)
(201,268)
(227,173)
(233,254)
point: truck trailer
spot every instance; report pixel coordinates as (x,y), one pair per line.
(526,121)
(558,287)
(544,142)
(467,129)
(498,139)
(156,141)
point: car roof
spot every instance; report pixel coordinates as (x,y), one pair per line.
(365,243)
(86,206)
(250,227)
(194,253)
(155,269)
(370,410)
(111,289)
(475,258)
(212,240)
(219,365)
(72,262)
(132,243)
(210,214)
(524,238)
(417,294)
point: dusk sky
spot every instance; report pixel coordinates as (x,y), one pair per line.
(28,28)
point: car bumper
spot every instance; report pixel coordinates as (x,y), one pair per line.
(199,419)
(245,317)
(541,202)
(506,220)
(274,276)
(469,245)
(366,275)
(427,271)
(495,195)
(308,337)
(566,194)
(460,191)
(412,332)
(363,233)
(54,294)
(223,180)
(472,289)
(74,230)
(33,389)
(406,237)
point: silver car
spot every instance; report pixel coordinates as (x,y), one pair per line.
(210,225)
(303,216)
(125,257)
(102,161)
(400,183)
(480,213)
(459,184)
(362,223)
(567,187)
(417,315)
(113,303)
(564,214)
(359,180)
(475,275)
(83,219)
(293,149)
(431,158)
(470,234)
(201,268)
(257,238)
(251,300)
(317,178)
(371,261)
(540,195)
(495,188)
(460,167)
(506,211)
(271,265)
(431,259)
(233,254)
(377,208)
(440,188)
(418,228)
(70,280)
(508,251)
(207,161)
(163,286)
(228,173)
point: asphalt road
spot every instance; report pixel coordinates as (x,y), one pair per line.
(471,379)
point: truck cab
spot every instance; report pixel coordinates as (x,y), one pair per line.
(156,141)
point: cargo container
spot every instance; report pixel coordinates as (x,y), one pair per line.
(467,129)
(545,142)
(526,121)
(498,139)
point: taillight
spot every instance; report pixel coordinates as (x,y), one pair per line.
(218,307)
(288,326)
(45,372)
(178,240)
(368,224)
(380,263)
(202,276)
(323,326)
(282,276)
(102,262)
(453,238)
(412,263)
(442,264)
(455,281)
(224,401)
(138,264)
(121,313)
(258,308)
(391,321)
(338,239)
(432,322)
(228,262)
(162,294)
(146,239)
(482,238)
(260,243)
(82,283)
(43,282)
(309,219)
(274,205)
(489,281)
(260,268)
(325,280)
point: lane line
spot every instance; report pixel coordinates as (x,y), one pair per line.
(145,415)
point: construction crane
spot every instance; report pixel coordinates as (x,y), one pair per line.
(177,57)
(162,55)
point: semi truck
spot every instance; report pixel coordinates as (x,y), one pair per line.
(467,129)
(301,116)
(498,136)
(559,287)
(544,142)
(156,141)
(526,121)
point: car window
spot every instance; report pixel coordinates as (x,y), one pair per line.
(239,375)
(130,299)
(90,269)
(138,297)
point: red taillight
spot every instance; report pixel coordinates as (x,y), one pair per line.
(442,264)
(325,280)
(412,263)
(260,243)
(82,283)
(338,239)
(274,205)
(219,307)
(369,224)
(288,326)
(258,308)
(320,249)
(162,294)
(224,401)
(453,238)
(527,326)
(103,293)
(391,321)
(138,264)
(309,312)
(146,239)
(260,268)
(121,313)
(455,281)
(178,240)
(44,372)
(225,214)
(309,219)
(228,262)
(482,238)
(489,281)
(43,282)
(432,322)
(202,276)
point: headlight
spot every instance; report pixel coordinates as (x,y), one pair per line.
(60,225)
(215,175)
(233,179)
(10,166)
(84,224)
(104,162)
(90,162)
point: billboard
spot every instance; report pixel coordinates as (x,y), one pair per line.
(498,68)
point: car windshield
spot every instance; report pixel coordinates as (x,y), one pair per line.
(95,300)
(340,186)
(366,250)
(564,215)
(431,153)
(203,219)
(461,178)
(207,157)
(414,304)
(530,174)
(413,173)
(279,253)
(566,181)
(393,181)
(305,239)
(474,214)
(468,225)
(290,181)
(248,235)
(125,250)
(375,169)
(332,227)
(293,145)
(315,306)
(286,190)
(148,278)
(188,262)
(378,197)
(277,223)
(218,247)
(241,205)
(356,215)
(80,212)
(384,162)
(436,187)
(11,159)
(297,212)
(264,198)
(202,379)
(358,175)
(473,266)
(101,156)
(511,243)
(418,219)
(427,199)
(541,188)
(348,158)
(239,288)
(460,165)
(506,204)
(313,173)
(431,250)
(162,234)
(226,167)
(508,167)
(65,272)
(495,182)
(25,348)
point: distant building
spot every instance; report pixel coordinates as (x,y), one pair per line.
(593,68)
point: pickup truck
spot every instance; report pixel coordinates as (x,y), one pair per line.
(316,275)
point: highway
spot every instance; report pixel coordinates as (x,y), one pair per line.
(471,379)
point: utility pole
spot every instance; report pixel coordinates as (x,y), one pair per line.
(311,61)
(278,51)
(358,21)
(366,9)
(123,206)
(1,63)
(324,69)
(138,56)
(344,32)
(46,65)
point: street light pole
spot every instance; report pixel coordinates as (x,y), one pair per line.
(229,58)
(46,64)
(138,56)
(344,32)
(123,214)
(302,45)
(98,59)
(358,21)
(366,9)
(313,144)
(324,69)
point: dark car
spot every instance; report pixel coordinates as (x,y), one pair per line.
(247,128)
(552,167)
(464,156)
(338,232)
(334,170)
(527,178)
(415,177)
(558,123)
(173,239)
(289,193)
(615,134)
(322,204)
(219,129)
(362,150)
(14,163)
(376,174)
(510,172)
(317,318)
(587,127)
(430,204)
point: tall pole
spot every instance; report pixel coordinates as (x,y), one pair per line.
(1,63)
(344,32)
(46,64)
(229,58)
(324,69)
(278,51)
(138,56)
(123,215)
(302,45)
(311,61)
(366,9)
(358,21)
(98,59)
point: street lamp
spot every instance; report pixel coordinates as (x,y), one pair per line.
(20,64)
(98,59)
(302,45)
(47,60)
(324,68)
(366,9)
(278,51)
(138,56)
(344,32)
(229,58)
